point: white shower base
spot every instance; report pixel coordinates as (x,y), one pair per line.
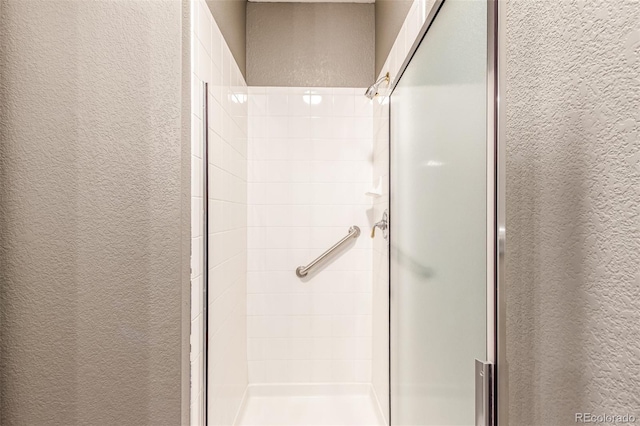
(310,405)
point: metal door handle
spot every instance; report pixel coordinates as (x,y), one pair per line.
(383,224)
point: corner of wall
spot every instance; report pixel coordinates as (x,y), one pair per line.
(231,18)
(185,180)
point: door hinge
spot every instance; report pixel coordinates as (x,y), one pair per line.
(484,393)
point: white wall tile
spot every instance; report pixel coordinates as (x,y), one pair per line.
(277,126)
(362,371)
(227,223)
(257,371)
(299,127)
(321,105)
(196,411)
(343,370)
(196,257)
(299,104)
(321,326)
(344,106)
(321,371)
(321,127)
(196,297)
(312,157)
(217,42)
(204,27)
(300,371)
(322,348)
(277,104)
(277,371)
(363,107)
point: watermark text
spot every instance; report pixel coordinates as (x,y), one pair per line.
(605,418)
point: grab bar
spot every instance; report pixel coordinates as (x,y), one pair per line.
(302,271)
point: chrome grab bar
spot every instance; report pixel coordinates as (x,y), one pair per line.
(302,271)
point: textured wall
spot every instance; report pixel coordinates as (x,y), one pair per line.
(310,44)
(94,213)
(231,18)
(390,16)
(573,209)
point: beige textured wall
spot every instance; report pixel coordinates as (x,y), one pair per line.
(231,17)
(94,213)
(390,15)
(310,44)
(573,210)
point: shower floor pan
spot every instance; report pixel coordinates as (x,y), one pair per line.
(310,405)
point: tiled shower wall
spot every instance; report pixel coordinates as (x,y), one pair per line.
(380,378)
(227,120)
(310,165)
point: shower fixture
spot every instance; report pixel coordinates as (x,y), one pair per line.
(372,91)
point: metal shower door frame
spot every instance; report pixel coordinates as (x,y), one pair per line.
(496,228)
(205,261)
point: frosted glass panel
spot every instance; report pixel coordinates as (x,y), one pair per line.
(438,221)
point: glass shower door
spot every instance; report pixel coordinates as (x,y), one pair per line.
(440,219)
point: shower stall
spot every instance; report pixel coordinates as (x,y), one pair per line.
(220,212)
(345,238)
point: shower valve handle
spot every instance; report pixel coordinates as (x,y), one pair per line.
(383,224)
